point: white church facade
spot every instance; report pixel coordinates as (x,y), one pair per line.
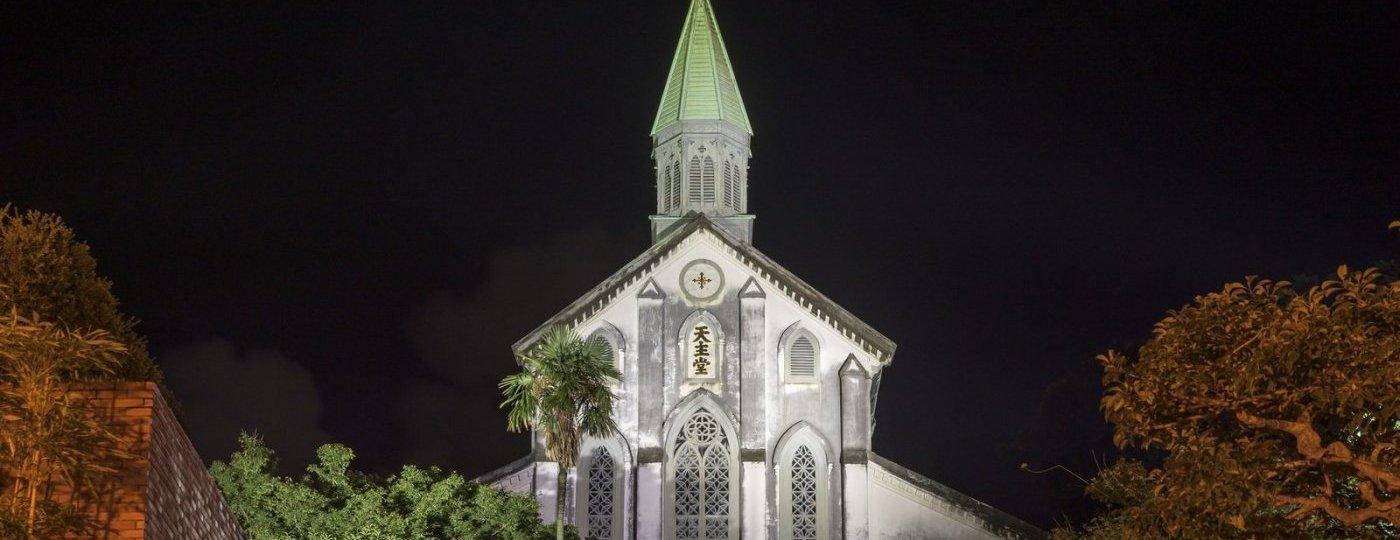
(746,403)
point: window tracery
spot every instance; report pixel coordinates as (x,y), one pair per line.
(804,494)
(702,470)
(601,492)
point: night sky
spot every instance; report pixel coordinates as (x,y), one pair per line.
(333,220)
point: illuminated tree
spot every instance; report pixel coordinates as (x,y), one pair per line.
(1277,414)
(50,438)
(563,393)
(45,270)
(334,501)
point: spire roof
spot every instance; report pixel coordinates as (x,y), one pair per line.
(701,85)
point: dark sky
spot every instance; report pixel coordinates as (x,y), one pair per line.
(334,220)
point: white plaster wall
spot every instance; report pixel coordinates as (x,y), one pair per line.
(546,483)
(856,492)
(755,499)
(649,501)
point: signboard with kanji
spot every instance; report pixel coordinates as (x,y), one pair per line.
(702,347)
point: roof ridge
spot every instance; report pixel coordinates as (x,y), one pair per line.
(860,334)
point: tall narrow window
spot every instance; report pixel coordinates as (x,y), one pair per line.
(802,359)
(675,184)
(707,182)
(702,478)
(730,187)
(804,485)
(667,185)
(693,191)
(602,488)
(804,494)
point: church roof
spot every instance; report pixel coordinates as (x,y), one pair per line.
(701,85)
(776,278)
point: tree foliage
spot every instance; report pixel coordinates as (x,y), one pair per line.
(563,393)
(333,501)
(1277,411)
(49,437)
(45,271)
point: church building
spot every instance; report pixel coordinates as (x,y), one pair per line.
(747,398)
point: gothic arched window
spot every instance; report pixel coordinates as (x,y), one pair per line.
(803,492)
(693,191)
(667,184)
(800,358)
(803,485)
(707,181)
(701,464)
(602,490)
(675,184)
(731,187)
(611,343)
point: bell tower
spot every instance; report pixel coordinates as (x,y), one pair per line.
(701,136)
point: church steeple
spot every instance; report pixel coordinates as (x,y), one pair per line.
(701,135)
(701,85)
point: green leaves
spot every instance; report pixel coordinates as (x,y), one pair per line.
(333,501)
(564,392)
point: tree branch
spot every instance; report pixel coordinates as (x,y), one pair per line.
(1389,511)
(1309,444)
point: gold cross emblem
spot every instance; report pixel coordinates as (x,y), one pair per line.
(701,280)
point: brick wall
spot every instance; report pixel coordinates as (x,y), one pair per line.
(165,493)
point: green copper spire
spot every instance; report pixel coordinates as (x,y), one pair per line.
(701,85)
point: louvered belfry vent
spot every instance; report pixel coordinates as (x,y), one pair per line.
(707,182)
(675,185)
(693,179)
(802,359)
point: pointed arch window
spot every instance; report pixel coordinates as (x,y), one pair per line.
(731,188)
(601,488)
(675,188)
(693,190)
(668,184)
(613,346)
(804,485)
(702,478)
(602,494)
(608,351)
(707,182)
(800,358)
(803,493)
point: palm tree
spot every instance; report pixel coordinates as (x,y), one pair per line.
(563,393)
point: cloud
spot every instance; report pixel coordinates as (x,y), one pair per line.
(457,334)
(465,340)
(223,391)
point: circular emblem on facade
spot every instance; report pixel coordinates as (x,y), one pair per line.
(701,280)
